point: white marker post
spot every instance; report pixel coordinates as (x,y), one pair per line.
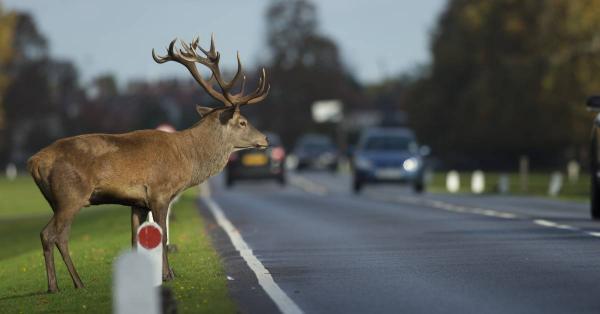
(556,183)
(453,181)
(503,184)
(573,170)
(11,171)
(133,290)
(149,243)
(477,182)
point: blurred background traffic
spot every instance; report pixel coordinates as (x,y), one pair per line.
(486,84)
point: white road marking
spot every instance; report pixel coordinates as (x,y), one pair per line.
(551,224)
(310,186)
(307,185)
(594,234)
(281,299)
(545,223)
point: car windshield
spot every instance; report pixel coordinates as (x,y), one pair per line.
(311,147)
(315,144)
(390,143)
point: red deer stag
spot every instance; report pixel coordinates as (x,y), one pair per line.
(144,169)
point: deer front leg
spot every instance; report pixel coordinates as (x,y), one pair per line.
(161,214)
(138,216)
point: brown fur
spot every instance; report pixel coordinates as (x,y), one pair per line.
(142,169)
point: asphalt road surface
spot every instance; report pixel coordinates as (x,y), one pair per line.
(389,250)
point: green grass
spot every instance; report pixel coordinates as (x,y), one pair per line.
(537,186)
(21,197)
(98,236)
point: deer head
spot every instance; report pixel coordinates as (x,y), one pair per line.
(241,133)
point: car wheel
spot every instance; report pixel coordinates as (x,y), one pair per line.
(333,167)
(281,180)
(419,187)
(594,184)
(357,186)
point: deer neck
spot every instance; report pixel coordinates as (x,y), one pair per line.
(207,148)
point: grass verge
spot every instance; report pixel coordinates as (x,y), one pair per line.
(537,185)
(98,236)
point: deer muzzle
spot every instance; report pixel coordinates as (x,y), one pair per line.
(262,143)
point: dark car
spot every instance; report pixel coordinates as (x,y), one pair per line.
(316,151)
(258,164)
(388,155)
(593,103)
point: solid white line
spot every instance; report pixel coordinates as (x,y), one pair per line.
(281,299)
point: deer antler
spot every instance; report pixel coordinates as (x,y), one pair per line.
(188,56)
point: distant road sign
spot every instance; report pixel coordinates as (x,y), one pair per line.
(327,111)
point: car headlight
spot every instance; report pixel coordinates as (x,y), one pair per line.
(363,163)
(411,164)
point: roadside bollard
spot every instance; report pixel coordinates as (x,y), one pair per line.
(556,182)
(524,173)
(453,181)
(503,184)
(477,182)
(573,170)
(149,244)
(133,290)
(11,172)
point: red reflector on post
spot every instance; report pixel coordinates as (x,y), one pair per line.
(149,237)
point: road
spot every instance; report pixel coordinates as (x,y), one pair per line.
(391,251)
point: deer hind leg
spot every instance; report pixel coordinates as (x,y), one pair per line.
(63,247)
(138,216)
(48,237)
(63,227)
(56,233)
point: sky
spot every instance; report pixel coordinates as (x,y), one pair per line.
(377,38)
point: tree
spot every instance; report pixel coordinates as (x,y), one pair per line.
(508,78)
(26,68)
(7,26)
(304,66)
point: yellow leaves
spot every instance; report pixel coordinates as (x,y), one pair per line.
(474,14)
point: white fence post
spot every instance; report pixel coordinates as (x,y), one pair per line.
(453,181)
(556,182)
(524,173)
(11,171)
(149,243)
(503,184)
(133,290)
(477,182)
(573,170)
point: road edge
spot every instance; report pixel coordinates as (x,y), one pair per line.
(250,272)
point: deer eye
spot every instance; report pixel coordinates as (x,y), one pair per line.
(243,123)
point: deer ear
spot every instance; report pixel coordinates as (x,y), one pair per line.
(202,110)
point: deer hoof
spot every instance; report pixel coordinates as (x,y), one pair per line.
(53,290)
(172,248)
(169,276)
